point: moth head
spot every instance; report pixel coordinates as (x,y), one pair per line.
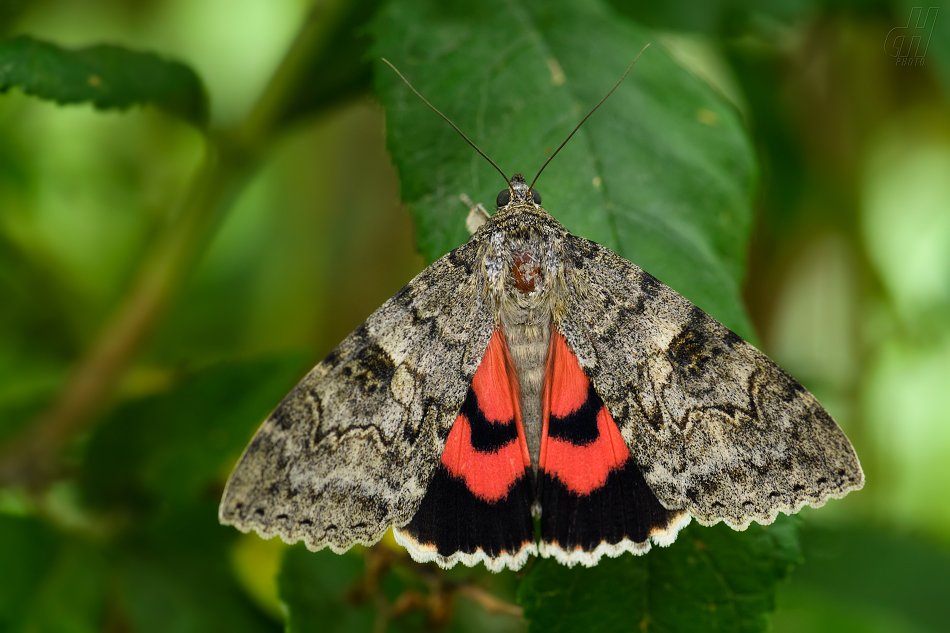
(518,192)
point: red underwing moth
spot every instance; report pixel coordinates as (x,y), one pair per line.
(531,374)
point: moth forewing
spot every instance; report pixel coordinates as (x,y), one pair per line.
(716,427)
(350,451)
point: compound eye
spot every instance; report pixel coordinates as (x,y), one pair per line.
(536,196)
(504,197)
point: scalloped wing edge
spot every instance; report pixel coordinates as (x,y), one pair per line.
(662,538)
(788,509)
(428,554)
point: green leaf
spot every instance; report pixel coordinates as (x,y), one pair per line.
(173,446)
(28,551)
(859,578)
(173,575)
(314,586)
(72,597)
(663,173)
(106,76)
(48,583)
(710,579)
(726,17)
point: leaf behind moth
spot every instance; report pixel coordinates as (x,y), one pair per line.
(710,579)
(663,173)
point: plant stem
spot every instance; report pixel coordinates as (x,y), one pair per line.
(31,459)
(231,156)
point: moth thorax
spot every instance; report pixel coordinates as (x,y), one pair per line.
(525,274)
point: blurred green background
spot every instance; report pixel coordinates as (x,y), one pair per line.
(195,328)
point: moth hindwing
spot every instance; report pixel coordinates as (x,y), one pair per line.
(534,375)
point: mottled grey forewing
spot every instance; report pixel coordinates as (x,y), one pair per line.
(351,449)
(716,427)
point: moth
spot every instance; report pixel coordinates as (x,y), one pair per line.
(534,375)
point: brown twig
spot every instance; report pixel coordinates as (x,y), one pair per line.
(32,459)
(437,603)
(490,602)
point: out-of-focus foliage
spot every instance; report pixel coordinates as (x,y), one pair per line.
(200,270)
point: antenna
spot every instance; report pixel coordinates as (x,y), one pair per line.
(582,120)
(455,127)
